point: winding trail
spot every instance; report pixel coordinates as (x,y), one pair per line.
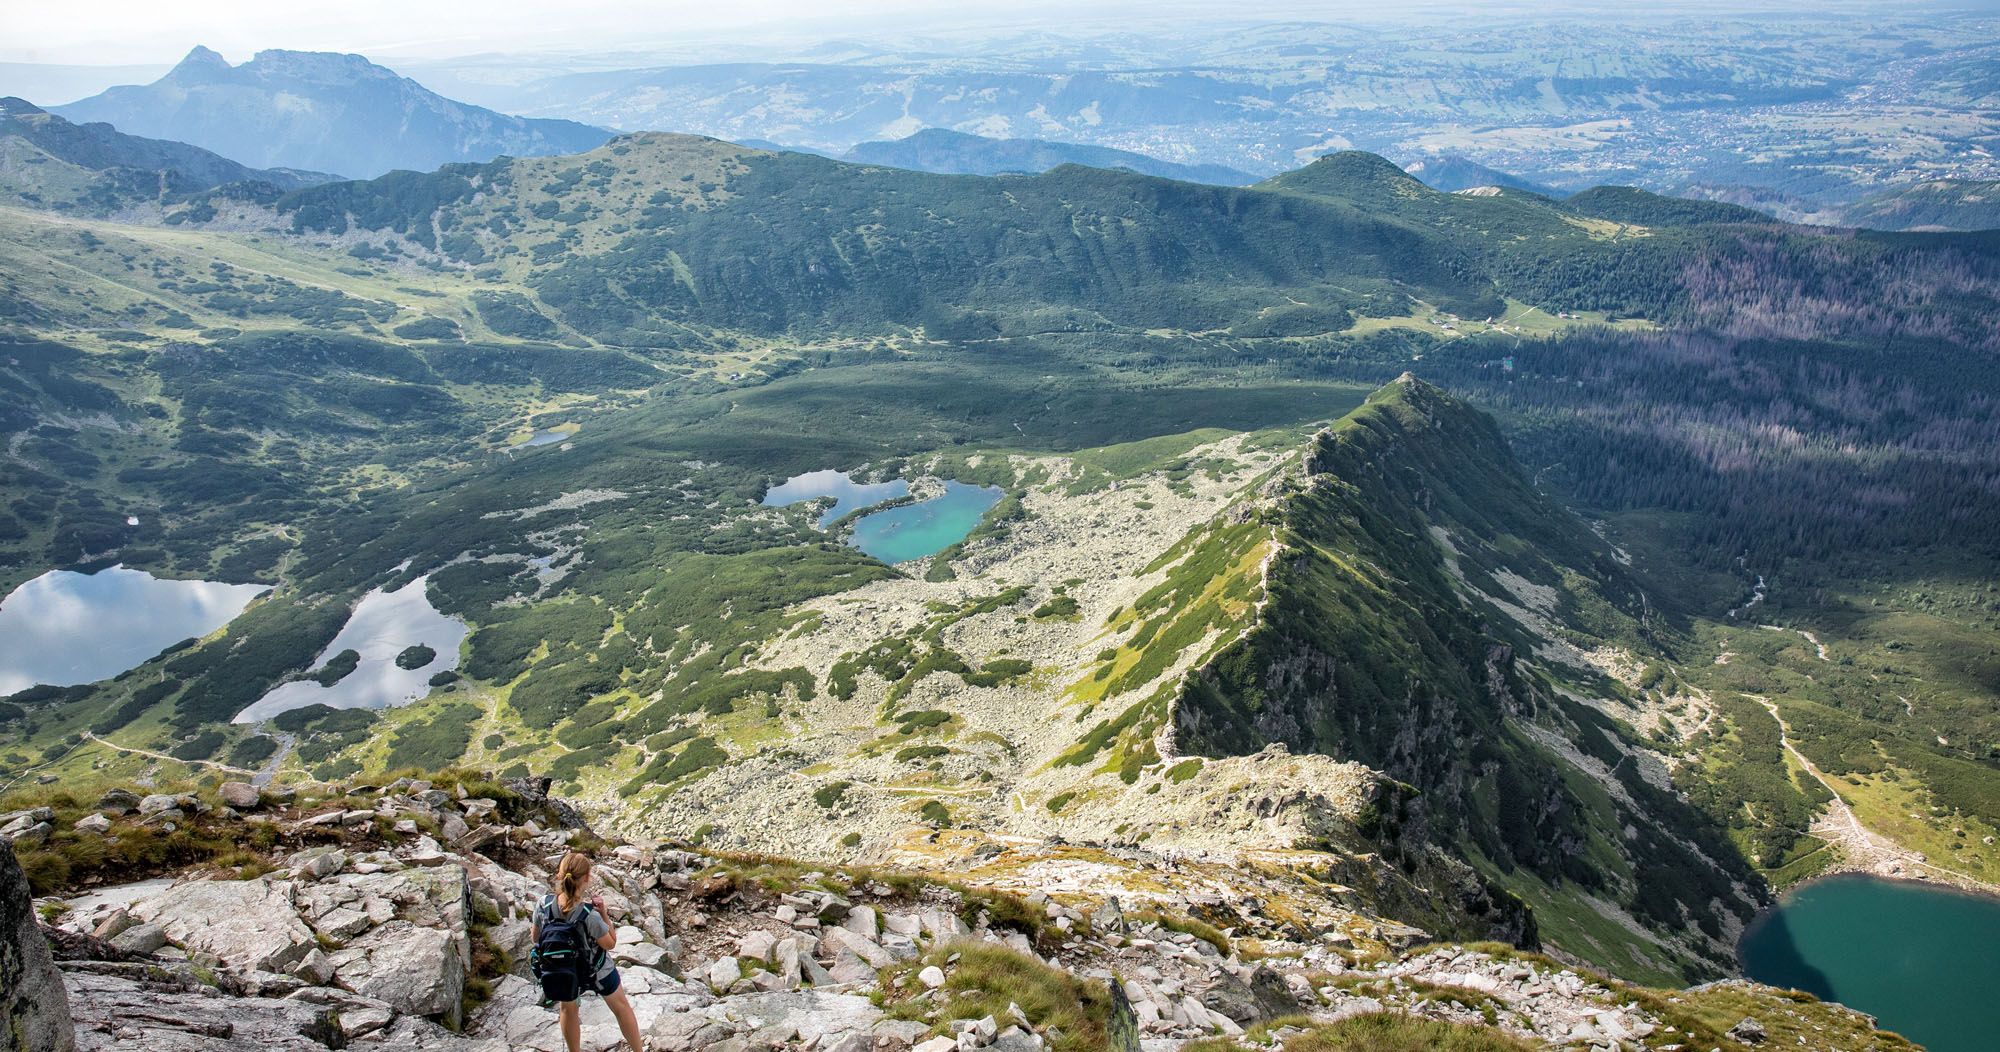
(88,736)
(1865,850)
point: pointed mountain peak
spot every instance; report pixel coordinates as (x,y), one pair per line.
(14,106)
(201,60)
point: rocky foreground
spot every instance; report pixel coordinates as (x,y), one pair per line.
(396,917)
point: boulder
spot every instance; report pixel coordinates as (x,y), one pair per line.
(249,925)
(757,946)
(842,939)
(862,921)
(93,823)
(1749,1032)
(34,1009)
(315,967)
(143,939)
(413,969)
(158,803)
(723,973)
(15,821)
(240,795)
(118,802)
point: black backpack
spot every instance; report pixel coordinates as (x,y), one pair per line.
(561,959)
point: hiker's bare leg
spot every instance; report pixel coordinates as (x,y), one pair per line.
(628,1024)
(572,1025)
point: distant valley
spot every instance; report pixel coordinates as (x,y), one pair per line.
(1465,538)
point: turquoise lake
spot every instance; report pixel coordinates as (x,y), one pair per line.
(848,494)
(1923,960)
(913,531)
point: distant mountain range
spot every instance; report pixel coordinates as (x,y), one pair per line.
(948,152)
(323,112)
(1453,173)
(50,162)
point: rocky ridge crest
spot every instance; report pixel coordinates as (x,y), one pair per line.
(396,917)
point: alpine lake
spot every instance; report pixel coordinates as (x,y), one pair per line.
(1923,960)
(899,534)
(64,627)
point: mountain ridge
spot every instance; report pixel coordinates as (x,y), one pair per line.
(321,111)
(948,152)
(108,168)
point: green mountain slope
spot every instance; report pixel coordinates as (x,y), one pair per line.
(1428,615)
(52,163)
(328,392)
(1943,204)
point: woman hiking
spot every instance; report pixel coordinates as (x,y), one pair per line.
(570,920)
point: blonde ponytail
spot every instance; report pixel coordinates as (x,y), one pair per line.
(570,877)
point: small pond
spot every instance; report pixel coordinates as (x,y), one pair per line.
(1924,960)
(913,531)
(848,494)
(65,628)
(547,438)
(382,626)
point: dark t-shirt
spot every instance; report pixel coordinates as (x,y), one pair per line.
(594,928)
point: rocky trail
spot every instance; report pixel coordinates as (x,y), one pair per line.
(397,918)
(1863,850)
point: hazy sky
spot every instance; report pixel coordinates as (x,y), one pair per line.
(161,31)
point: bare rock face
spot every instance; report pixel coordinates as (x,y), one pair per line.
(128,1013)
(33,1008)
(415,970)
(249,925)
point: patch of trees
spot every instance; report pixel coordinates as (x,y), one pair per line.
(435,742)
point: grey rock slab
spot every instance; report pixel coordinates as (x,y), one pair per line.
(816,1015)
(413,969)
(248,925)
(841,939)
(133,1015)
(662,1007)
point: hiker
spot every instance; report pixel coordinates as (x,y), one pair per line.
(573,940)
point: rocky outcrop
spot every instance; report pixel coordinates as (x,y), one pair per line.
(249,925)
(380,941)
(160,1013)
(34,1014)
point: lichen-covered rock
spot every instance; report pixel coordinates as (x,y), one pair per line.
(33,1009)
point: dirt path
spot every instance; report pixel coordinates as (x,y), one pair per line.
(88,736)
(1864,850)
